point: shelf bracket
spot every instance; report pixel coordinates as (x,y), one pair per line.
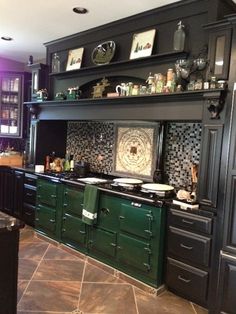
(215,103)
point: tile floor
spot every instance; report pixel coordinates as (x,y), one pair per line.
(54,280)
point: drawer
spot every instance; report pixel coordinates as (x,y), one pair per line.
(30,179)
(29,195)
(29,214)
(190,221)
(189,246)
(189,281)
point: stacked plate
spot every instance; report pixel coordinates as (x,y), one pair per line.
(156,188)
(128,183)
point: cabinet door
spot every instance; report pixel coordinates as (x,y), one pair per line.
(18,180)
(8,191)
(47,193)
(136,220)
(73,201)
(11,99)
(227,286)
(133,253)
(45,219)
(191,282)
(189,246)
(73,231)
(102,243)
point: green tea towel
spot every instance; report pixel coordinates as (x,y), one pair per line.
(91,197)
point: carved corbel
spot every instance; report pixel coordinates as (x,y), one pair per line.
(215,103)
(34,111)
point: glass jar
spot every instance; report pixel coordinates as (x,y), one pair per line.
(56,64)
(135,90)
(213,83)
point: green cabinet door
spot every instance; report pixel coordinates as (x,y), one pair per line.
(133,253)
(47,192)
(73,231)
(45,219)
(102,243)
(108,213)
(135,220)
(73,201)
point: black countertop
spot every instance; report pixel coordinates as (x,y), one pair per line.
(9,223)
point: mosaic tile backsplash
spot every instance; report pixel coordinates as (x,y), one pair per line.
(94,141)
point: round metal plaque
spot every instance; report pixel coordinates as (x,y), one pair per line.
(103,53)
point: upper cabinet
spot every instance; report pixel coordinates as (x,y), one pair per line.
(11,99)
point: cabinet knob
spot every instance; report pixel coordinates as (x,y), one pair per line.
(63,230)
(36,219)
(147,266)
(187,222)
(183,279)
(186,247)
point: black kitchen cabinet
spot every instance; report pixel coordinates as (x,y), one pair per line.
(189,254)
(227,284)
(29,199)
(18,193)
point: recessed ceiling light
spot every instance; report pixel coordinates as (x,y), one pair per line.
(80,10)
(7,38)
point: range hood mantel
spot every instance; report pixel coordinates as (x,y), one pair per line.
(187,105)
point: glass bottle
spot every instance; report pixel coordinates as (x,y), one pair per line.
(56,64)
(179,37)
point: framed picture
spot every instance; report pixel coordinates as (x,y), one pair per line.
(74,59)
(135,150)
(142,44)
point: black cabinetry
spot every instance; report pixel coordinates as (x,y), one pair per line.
(29,199)
(189,254)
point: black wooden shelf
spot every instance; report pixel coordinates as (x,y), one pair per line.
(187,105)
(122,65)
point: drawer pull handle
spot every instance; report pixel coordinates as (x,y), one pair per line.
(183,279)
(53,196)
(187,222)
(122,217)
(186,247)
(105,210)
(36,219)
(29,194)
(113,244)
(82,232)
(28,213)
(148,267)
(52,220)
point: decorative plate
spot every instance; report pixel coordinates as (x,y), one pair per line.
(128,181)
(157,187)
(104,52)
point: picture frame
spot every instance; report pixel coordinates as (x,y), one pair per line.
(135,150)
(142,44)
(74,59)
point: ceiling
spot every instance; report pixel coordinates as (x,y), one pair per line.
(33,22)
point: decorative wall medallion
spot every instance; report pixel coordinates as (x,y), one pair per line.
(135,149)
(103,53)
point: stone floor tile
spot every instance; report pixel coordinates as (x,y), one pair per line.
(57,253)
(166,303)
(20,288)
(26,268)
(32,250)
(107,298)
(95,274)
(50,296)
(199,309)
(62,270)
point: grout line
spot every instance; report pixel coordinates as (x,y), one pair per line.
(39,262)
(135,299)
(195,312)
(81,286)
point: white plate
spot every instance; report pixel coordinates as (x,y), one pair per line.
(157,187)
(92,180)
(128,181)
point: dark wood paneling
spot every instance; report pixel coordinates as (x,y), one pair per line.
(210,164)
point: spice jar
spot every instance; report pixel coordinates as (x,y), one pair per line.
(135,90)
(213,83)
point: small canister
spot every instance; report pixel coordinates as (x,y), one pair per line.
(129,89)
(213,83)
(135,90)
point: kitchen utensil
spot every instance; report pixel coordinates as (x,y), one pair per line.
(81,168)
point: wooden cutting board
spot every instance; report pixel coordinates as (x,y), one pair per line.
(11,160)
